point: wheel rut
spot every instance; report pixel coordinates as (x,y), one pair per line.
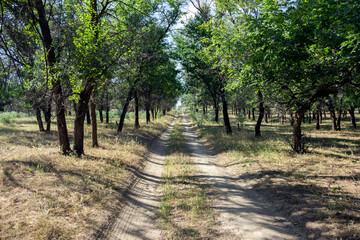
(138,218)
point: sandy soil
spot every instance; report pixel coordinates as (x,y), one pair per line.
(138,218)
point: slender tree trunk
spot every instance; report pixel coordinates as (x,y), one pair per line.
(352,115)
(225,108)
(309,118)
(317,119)
(124,111)
(216,110)
(107,107)
(93,121)
(249,114)
(39,119)
(152,114)
(147,108)
(101,114)
(137,124)
(338,122)
(47,114)
(266,115)
(333,116)
(261,114)
(297,144)
(88,118)
(253,114)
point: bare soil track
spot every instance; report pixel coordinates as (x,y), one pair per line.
(241,213)
(138,218)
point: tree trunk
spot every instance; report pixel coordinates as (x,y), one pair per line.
(107,107)
(124,111)
(338,122)
(352,115)
(47,114)
(147,108)
(81,110)
(94,137)
(101,114)
(261,114)
(88,118)
(164,112)
(253,114)
(56,84)
(153,114)
(39,119)
(266,115)
(309,118)
(225,109)
(137,124)
(249,114)
(297,144)
(317,119)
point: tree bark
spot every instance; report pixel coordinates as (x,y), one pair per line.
(318,119)
(352,115)
(137,124)
(124,111)
(266,115)
(39,119)
(88,118)
(261,114)
(81,111)
(253,114)
(101,116)
(147,108)
(225,108)
(94,137)
(47,114)
(297,144)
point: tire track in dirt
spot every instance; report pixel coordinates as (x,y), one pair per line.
(138,218)
(240,212)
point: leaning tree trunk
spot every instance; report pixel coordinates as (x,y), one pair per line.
(137,124)
(39,119)
(352,114)
(297,144)
(94,137)
(124,111)
(261,114)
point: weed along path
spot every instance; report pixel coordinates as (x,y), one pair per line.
(138,218)
(240,213)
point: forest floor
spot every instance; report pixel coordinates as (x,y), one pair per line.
(193,182)
(44,195)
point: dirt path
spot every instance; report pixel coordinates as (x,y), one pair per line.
(138,218)
(240,212)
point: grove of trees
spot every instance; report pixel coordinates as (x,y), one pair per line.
(78,56)
(300,56)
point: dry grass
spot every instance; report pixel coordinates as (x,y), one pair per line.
(185,204)
(319,191)
(44,195)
